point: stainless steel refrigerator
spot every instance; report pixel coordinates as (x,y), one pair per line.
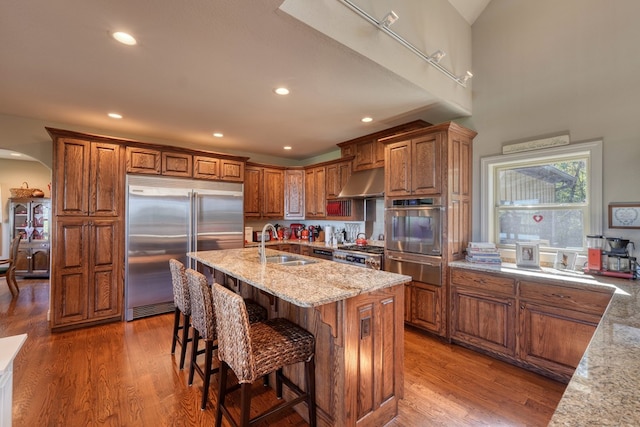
(166,218)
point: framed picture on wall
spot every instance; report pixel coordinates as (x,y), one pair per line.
(624,215)
(527,254)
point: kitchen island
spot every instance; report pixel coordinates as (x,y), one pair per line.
(356,315)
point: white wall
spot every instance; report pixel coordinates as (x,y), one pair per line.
(547,66)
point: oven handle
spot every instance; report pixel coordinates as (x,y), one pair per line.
(396,258)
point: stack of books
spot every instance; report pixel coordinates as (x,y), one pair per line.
(483,253)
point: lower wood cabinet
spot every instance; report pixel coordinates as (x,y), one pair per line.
(87,283)
(541,325)
(424,307)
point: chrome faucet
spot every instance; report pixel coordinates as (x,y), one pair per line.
(261,248)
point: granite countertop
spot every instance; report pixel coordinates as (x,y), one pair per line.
(307,285)
(605,388)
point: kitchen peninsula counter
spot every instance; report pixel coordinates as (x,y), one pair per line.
(356,315)
(603,391)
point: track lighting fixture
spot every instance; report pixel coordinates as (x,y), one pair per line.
(389,19)
(437,56)
(463,79)
(384,25)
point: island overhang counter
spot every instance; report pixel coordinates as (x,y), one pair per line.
(356,315)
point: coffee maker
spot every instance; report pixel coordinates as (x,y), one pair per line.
(618,261)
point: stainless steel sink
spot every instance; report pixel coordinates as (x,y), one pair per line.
(288,260)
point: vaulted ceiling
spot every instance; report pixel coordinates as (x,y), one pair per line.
(205,66)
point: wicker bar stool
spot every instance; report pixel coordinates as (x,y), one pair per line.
(256,350)
(182,301)
(203,319)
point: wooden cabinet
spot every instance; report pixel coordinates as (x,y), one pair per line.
(30,218)
(336,177)
(425,306)
(87,262)
(315,192)
(177,164)
(369,151)
(414,167)
(87,272)
(88,178)
(215,168)
(483,311)
(144,159)
(556,325)
(263,192)
(538,324)
(294,194)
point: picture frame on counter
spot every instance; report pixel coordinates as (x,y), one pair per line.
(527,254)
(565,260)
(624,215)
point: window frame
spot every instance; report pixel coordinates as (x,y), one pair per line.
(592,150)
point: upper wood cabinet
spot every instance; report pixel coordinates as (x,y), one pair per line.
(142,159)
(294,194)
(414,167)
(263,192)
(215,168)
(315,192)
(88,178)
(336,177)
(368,151)
(177,164)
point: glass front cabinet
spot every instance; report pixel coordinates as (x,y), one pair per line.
(30,218)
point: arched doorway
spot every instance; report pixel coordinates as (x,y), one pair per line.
(30,218)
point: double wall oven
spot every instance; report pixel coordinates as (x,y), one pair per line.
(413,234)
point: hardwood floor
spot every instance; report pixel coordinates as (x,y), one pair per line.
(123,375)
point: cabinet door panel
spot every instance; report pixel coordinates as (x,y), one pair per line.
(71,295)
(206,167)
(105,269)
(398,179)
(231,170)
(177,164)
(483,320)
(426,306)
(140,160)
(106,180)
(273,189)
(72,177)
(554,338)
(426,167)
(252,191)
(294,194)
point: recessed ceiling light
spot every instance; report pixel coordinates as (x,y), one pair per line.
(287,147)
(115,115)
(366,120)
(281,91)
(218,134)
(125,38)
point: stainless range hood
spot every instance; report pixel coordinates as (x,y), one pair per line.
(364,184)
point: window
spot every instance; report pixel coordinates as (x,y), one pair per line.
(552,197)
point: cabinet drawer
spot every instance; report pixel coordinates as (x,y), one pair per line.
(561,296)
(484,281)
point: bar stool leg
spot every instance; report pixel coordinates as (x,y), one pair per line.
(194,355)
(176,327)
(208,359)
(222,392)
(245,404)
(310,369)
(185,338)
